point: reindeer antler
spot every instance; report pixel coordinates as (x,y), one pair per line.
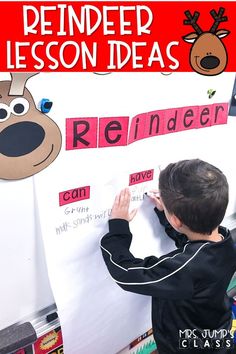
(192,21)
(218,18)
(18,83)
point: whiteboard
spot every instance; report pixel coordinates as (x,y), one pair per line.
(25,284)
(84,293)
(25,287)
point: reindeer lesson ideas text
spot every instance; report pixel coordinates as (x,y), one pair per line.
(85,37)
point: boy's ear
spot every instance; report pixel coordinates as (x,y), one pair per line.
(175,222)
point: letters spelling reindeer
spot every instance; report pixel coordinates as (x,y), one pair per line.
(208,55)
(29,140)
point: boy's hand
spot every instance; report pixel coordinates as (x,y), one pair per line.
(154,196)
(120,209)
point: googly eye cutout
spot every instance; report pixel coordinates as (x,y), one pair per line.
(19,106)
(5,112)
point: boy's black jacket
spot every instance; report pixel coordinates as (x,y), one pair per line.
(188,285)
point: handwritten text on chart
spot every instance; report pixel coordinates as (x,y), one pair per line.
(79,216)
(84,219)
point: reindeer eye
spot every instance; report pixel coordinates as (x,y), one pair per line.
(4,112)
(19,106)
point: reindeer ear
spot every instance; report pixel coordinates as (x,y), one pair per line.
(191,37)
(18,82)
(222,33)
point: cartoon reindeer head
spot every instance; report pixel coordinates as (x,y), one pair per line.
(208,55)
(29,140)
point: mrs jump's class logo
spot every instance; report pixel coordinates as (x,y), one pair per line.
(208,55)
(29,139)
(206,339)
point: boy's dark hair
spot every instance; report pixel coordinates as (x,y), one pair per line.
(196,192)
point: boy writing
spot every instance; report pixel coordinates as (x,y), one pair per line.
(188,285)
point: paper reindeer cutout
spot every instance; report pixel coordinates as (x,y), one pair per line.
(29,140)
(208,55)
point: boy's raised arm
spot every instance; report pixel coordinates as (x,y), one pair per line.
(164,277)
(179,239)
